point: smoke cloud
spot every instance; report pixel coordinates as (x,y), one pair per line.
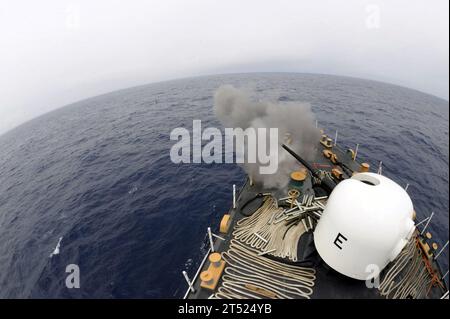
(235,108)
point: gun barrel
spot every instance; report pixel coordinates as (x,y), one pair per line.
(327,183)
(301,160)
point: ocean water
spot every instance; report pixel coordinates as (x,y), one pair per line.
(98,174)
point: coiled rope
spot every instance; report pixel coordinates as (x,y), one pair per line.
(261,231)
(248,275)
(407,277)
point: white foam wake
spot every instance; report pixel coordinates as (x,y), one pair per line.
(56,251)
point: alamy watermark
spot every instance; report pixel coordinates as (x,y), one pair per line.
(373,16)
(250,145)
(373,279)
(73,17)
(73,279)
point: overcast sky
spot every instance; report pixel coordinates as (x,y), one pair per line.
(54,52)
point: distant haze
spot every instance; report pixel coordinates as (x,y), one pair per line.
(54,52)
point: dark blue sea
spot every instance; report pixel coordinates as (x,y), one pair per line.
(98,174)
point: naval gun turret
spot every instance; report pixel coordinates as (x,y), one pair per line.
(366,223)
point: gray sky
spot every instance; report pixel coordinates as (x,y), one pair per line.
(54,52)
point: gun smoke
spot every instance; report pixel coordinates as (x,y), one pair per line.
(295,122)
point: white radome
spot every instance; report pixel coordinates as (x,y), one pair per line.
(366,223)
